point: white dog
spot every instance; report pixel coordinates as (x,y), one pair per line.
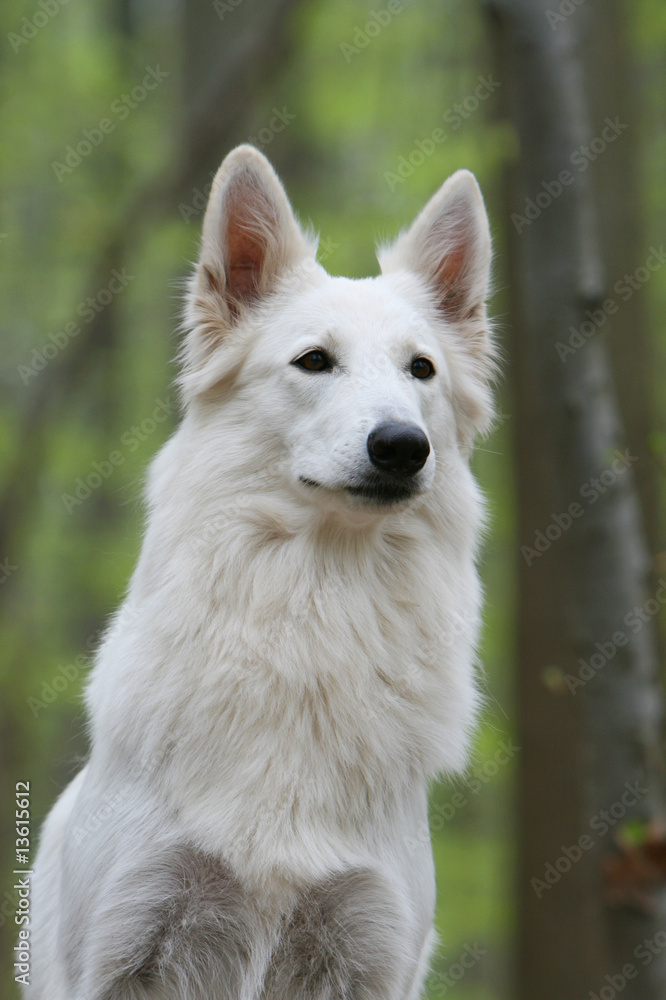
(295,657)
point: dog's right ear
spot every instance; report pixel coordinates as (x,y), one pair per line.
(448,246)
(250,240)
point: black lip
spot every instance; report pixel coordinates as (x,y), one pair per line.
(381,491)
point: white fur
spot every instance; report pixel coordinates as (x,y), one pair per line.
(292,664)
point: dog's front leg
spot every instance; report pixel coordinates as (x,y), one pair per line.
(347,937)
(181,926)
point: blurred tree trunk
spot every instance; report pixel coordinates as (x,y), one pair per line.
(590,710)
(232,53)
(612,91)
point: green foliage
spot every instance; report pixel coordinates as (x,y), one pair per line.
(360,118)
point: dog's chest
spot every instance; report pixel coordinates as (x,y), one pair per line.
(301,738)
(297,707)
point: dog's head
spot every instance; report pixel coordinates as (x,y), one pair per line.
(358,390)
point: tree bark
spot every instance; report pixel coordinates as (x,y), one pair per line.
(589,715)
(625,248)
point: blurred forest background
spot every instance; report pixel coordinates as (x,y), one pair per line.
(114,114)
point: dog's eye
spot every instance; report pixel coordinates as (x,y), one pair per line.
(422,368)
(314,361)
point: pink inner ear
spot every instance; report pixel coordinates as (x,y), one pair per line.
(451,281)
(245,255)
(452,266)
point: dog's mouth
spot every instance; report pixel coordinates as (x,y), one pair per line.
(382,490)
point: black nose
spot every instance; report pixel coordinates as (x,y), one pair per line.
(401,449)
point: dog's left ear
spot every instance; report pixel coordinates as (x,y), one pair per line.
(448,244)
